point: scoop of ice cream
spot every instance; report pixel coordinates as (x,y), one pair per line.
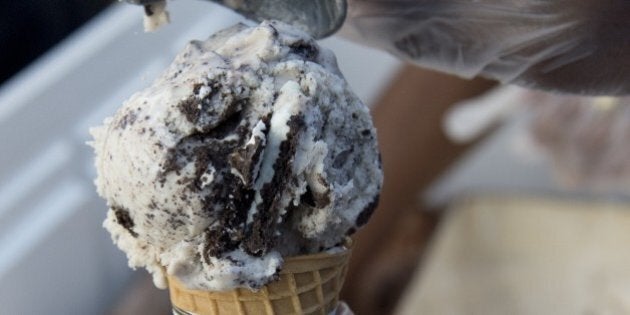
(249,147)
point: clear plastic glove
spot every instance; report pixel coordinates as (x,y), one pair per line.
(575,46)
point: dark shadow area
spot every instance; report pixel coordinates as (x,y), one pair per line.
(28,28)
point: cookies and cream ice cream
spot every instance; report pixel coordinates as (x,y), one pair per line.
(250,147)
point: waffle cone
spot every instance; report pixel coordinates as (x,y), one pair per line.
(308,284)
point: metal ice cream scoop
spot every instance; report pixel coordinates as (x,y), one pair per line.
(320,18)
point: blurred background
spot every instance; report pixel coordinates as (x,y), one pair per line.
(32,27)
(497,200)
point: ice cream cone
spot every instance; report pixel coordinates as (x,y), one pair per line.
(308,284)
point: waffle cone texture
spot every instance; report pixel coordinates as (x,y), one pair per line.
(308,284)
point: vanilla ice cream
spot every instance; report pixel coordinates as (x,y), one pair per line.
(250,147)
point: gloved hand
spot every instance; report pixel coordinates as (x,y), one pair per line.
(575,46)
